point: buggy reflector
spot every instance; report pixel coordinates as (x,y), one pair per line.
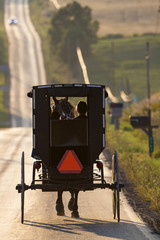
(70,163)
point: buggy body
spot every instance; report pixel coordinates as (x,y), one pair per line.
(85,138)
(68,150)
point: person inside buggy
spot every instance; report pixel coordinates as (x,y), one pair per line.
(81,109)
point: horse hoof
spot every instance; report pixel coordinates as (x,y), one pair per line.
(70,204)
(75,214)
(60,209)
(61,213)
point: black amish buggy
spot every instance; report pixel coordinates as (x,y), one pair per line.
(67,148)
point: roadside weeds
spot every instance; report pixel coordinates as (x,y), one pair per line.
(149,216)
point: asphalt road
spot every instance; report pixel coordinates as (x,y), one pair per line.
(40,220)
(25,61)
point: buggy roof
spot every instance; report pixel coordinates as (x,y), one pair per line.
(74,90)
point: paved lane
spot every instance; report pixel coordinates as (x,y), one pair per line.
(25,60)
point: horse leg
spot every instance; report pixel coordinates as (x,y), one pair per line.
(71,201)
(59,204)
(75,213)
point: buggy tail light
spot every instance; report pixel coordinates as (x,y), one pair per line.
(99,164)
(37,165)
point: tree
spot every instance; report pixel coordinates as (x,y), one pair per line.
(72,25)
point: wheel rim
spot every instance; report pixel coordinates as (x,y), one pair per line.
(22,183)
(114,190)
(114,203)
(115,180)
(117,187)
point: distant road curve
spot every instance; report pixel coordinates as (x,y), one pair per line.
(25,61)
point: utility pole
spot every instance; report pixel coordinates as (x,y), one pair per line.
(112,68)
(144,122)
(149,96)
(128,86)
(148,75)
(69,57)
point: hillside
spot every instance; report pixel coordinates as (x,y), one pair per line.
(126,17)
(125,64)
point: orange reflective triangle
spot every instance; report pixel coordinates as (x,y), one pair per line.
(70,163)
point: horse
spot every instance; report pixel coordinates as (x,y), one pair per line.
(63,109)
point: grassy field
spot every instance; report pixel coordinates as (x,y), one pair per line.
(128,59)
(136,17)
(3,60)
(3,39)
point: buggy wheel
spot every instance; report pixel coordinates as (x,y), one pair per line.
(114,190)
(115,180)
(114,203)
(22,191)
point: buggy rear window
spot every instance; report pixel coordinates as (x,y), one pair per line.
(69,133)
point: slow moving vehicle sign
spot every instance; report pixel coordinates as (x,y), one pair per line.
(70,163)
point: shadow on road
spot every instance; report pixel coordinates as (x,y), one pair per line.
(54,227)
(122,230)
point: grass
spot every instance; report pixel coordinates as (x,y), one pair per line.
(2,79)
(4,116)
(4,113)
(141,170)
(3,38)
